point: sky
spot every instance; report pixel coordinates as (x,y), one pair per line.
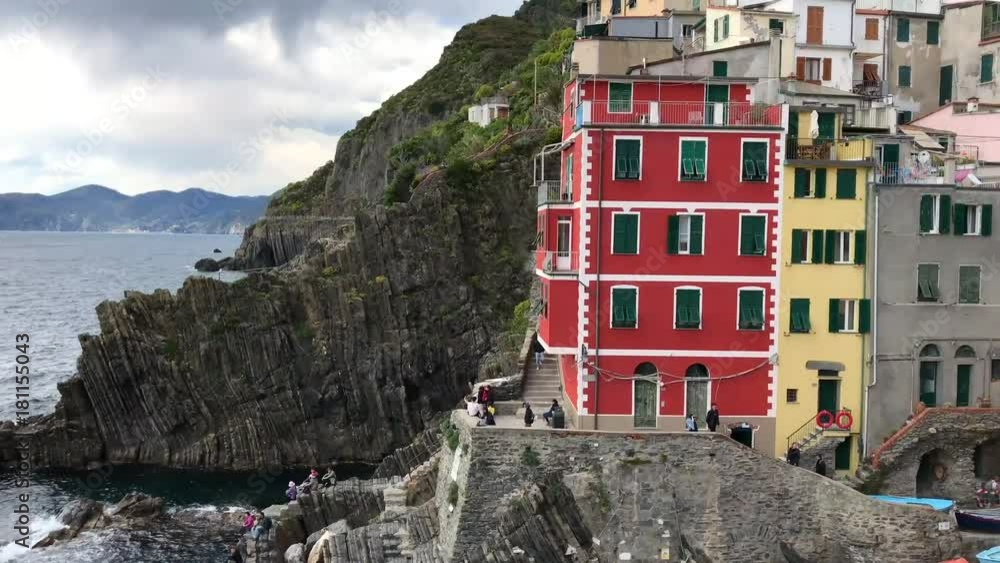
(235,96)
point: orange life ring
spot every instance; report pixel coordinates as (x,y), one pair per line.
(840,420)
(824,419)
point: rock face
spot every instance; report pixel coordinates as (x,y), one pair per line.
(275,241)
(345,356)
(207,265)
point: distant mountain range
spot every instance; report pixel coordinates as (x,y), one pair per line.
(101,209)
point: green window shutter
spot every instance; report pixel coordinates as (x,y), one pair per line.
(801,182)
(820,183)
(697,233)
(725,27)
(799,245)
(961,216)
(932,33)
(903,30)
(687,308)
(776,25)
(860,247)
(847,179)
(817,249)
(865,316)
(926,213)
(619,97)
(968,284)
(944,220)
(927,282)
(627,159)
(987,211)
(753,235)
(755,162)
(720,68)
(673,234)
(835,322)
(693,160)
(623,307)
(626,233)
(751,314)
(830,247)
(715,25)
(800,316)
(568,178)
(904,76)
(986,68)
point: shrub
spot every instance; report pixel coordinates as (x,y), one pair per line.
(399,190)
(453,494)
(530,458)
(485,91)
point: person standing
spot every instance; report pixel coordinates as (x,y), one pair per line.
(820,465)
(712,418)
(529,415)
(247,522)
(481,399)
(292,493)
(793,455)
(539,350)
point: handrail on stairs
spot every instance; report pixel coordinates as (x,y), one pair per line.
(798,434)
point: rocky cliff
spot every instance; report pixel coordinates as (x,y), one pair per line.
(344,356)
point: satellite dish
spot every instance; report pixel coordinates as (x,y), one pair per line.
(923,157)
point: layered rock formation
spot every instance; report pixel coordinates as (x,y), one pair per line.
(345,356)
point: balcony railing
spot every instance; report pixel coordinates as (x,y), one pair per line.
(874,118)
(892,173)
(584,22)
(558,261)
(554,192)
(690,114)
(856,148)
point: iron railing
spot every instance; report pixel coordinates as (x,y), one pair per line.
(874,118)
(851,148)
(894,174)
(554,192)
(868,88)
(557,261)
(719,114)
(811,426)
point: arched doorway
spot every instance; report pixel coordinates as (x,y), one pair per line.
(644,396)
(696,391)
(965,358)
(986,459)
(932,472)
(930,362)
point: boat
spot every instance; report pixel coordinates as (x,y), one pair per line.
(991,555)
(939,504)
(983,520)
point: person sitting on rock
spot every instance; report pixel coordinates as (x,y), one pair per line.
(292,493)
(529,415)
(235,556)
(549,414)
(247,522)
(330,479)
(488,420)
(471,406)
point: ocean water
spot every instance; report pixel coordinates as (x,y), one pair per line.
(50,284)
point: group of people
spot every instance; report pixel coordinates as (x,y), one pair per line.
(711,420)
(481,406)
(547,416)
(256,526)
(988,493)
(794,457)
(311,483)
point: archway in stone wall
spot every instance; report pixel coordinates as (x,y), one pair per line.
(935,467)
(986,459)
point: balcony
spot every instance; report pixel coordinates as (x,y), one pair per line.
(553,192)
(905,174)
(678,114)
(557,262)
(591,25)
(829,150)
(873,118)
(547,176)
(868,88)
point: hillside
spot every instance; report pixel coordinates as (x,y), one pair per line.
(100,209)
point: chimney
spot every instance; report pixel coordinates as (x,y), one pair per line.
(972,105)
(949,168)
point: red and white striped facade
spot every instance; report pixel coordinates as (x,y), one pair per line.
(577,285)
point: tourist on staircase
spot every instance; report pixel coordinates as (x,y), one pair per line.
(712,418)
(471,406)
(539,350)
(529,415)
(820,465)
(794,455)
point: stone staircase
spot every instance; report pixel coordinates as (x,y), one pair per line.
(543,384)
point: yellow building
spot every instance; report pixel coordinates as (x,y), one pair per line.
(824,314)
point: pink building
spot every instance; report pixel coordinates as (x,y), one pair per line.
(975,126)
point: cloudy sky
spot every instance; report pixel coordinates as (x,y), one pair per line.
(239,96)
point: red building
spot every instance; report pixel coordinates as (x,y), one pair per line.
(658,252)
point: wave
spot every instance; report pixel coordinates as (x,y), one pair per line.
(39,529)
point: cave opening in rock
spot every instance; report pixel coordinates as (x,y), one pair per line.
(934,468)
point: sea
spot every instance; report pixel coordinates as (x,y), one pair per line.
(50,284)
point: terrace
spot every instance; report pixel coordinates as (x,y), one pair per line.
(851,149)
(678,114)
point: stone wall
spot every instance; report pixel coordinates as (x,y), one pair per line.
(649,494)
(946,437)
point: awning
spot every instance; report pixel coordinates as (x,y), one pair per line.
(921,139)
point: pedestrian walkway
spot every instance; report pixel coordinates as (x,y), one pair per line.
(542,384)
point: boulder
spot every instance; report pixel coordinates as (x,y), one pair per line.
(216,251)
(207,265)
(137,505)
(338,527)
(295,554)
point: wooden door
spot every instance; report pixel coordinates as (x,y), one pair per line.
(928,383)
(962,385)
(644,407)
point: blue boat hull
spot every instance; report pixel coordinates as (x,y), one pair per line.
(980,522)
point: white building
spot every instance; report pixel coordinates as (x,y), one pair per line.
(489,110)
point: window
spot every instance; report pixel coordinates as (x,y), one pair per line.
(814,70)
(725,27)
(903,117)
(969,219)
(687,308)
(818,239)
(751,309)
(850,315)
(685,234)
(847,179)
(567,191)
(800,316)
(995,370)
(871,28)
(720,68)
(933,29)
(692,160)
(715,29)
(754,161)
(687,30)
(620,97)
(968,284)
(624,307)
(628,159)
(904,76)
(540,236)
(903,30)
(965,351)
(927,282)
(752,235)
(791,395)
(777,27)
(616,6)
(814,24)
(842,247)
(935,214)
(800,246)
(803,185)
(544,298)
(625,233)
(986,68)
